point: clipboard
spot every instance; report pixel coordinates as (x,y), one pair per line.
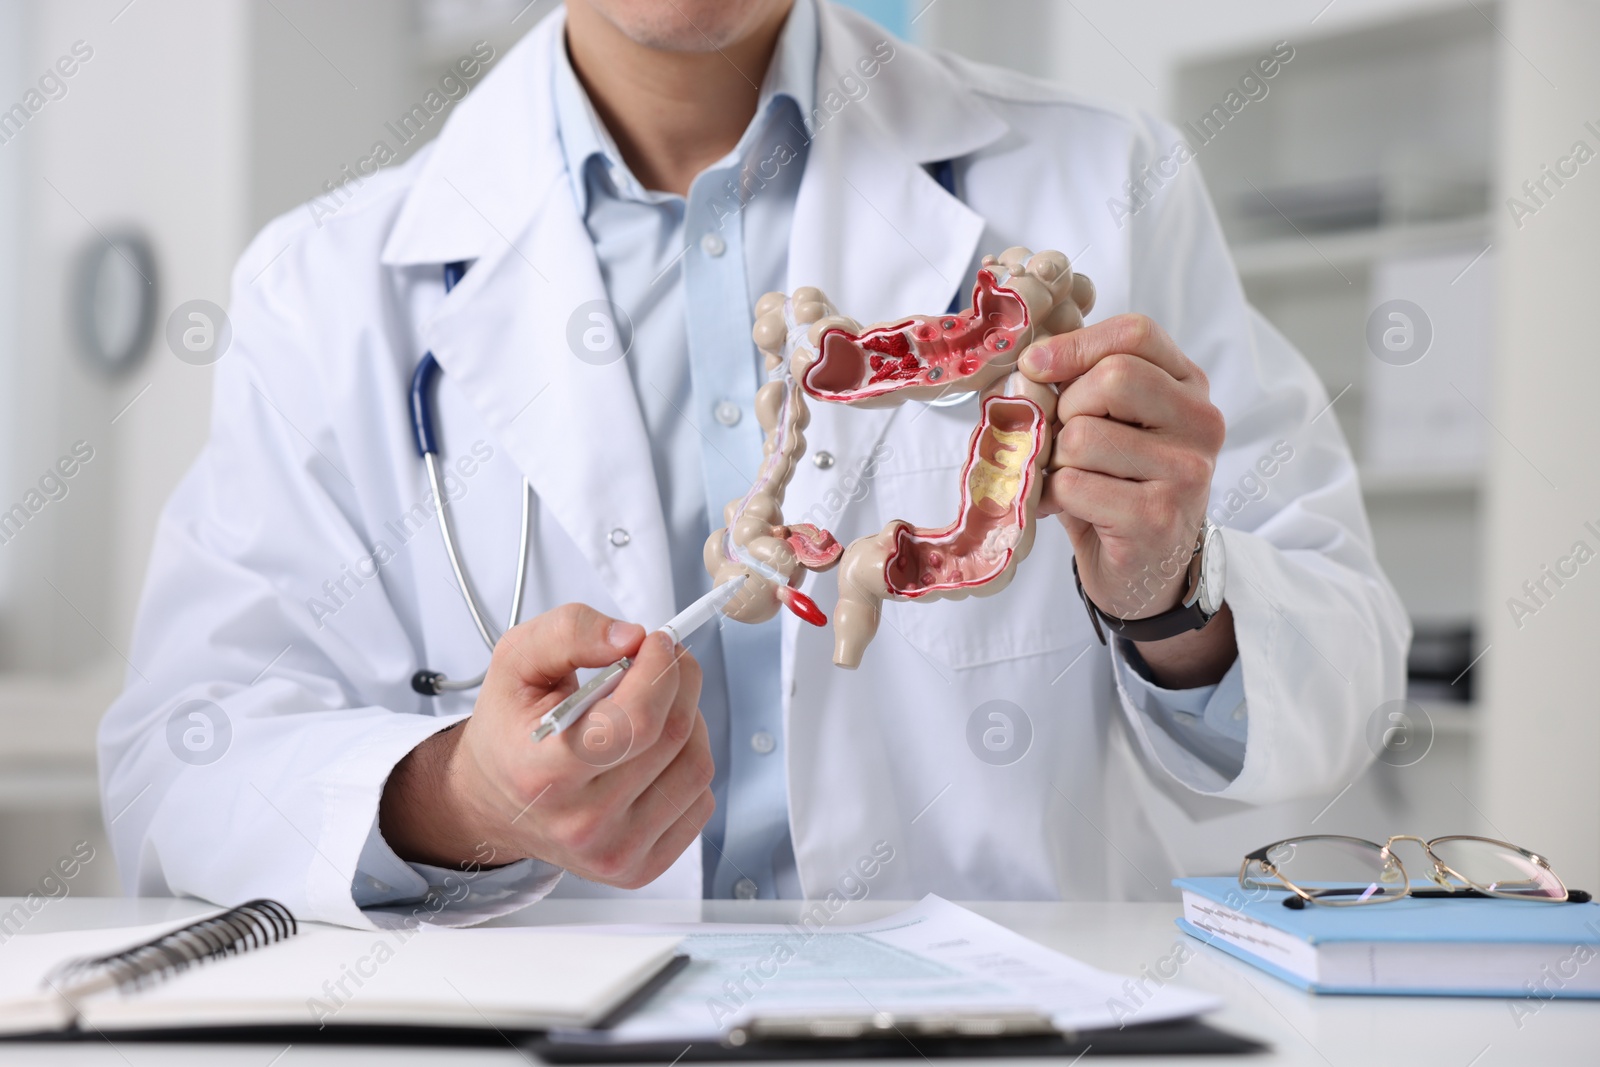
(1176,1038)
(860,1037)
(936,1022)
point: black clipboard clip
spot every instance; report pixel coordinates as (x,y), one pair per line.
(879,1035)
(850,1026)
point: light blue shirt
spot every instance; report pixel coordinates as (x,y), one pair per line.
(682,270)
(686,272)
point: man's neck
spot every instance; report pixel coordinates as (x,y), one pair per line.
(672,114)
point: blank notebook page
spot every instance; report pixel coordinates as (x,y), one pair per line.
(507,978)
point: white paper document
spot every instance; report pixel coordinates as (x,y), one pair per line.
(934,956)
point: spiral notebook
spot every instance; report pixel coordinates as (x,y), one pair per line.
(254,966)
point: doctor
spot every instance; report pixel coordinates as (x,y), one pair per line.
(652,167)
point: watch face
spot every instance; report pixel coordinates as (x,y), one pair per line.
(1213,572)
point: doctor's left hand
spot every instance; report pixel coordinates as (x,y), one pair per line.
(615,799)
(1130,476)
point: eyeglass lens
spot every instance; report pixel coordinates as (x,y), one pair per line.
(1494,867)
(1338,870)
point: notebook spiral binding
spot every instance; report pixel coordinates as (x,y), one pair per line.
(254,924)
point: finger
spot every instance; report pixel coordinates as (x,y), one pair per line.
(678,836)
(1127,517)
(627,829)
(1066,356)
(624,782)
(630,719)
(685,777)
(544,651)
(1107,503)
(674,683)
(1129,389)
(1106,446)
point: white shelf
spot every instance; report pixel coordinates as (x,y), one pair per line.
(1382,483)
(49,720)
(47,738)
(44,787)
(1294,254)
(1452,720)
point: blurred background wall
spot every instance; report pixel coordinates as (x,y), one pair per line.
(1388,195)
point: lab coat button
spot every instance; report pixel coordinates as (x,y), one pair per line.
(763,742)
(823,459)
(728,413)
(745,889)
(712,245)
(620,537)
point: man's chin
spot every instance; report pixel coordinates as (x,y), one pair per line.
(669,38)
(685,25)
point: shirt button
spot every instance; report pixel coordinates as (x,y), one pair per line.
(823,460)
(712,245)
(728,413)
(763,742)
(745,889)
(620,537)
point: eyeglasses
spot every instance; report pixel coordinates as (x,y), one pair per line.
(1346,871)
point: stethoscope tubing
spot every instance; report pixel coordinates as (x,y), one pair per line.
(423,382)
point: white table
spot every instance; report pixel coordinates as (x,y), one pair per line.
(1303,1029)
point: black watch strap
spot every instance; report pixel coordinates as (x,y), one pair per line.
(1179,620)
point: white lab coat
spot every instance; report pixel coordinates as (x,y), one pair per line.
(265,596)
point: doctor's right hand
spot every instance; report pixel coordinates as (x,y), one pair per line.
(615,799)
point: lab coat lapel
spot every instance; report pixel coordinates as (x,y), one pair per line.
(872,228)
(573,426)
(495,191)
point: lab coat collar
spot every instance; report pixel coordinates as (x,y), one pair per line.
(872,227)
(492,165)
(499,151)
(922,108)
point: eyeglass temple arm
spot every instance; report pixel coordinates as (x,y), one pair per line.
(1295,903)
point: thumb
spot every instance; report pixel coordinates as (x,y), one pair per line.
(546,649)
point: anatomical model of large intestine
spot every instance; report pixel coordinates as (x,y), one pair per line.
(810,350)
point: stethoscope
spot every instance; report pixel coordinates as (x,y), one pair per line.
(423,384)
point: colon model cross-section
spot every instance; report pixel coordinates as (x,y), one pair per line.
(811,351)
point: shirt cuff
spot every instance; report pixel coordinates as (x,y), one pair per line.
(395,894)
(1198,734)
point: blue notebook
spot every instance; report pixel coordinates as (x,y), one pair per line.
(1420,947)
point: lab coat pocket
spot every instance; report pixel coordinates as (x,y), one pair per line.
(1037,613)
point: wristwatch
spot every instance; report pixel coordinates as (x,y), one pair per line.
(1204,598)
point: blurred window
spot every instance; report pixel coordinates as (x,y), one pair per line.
(893,15)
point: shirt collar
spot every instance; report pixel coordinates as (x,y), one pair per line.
(791,81)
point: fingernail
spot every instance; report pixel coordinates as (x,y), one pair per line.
(1035,360)
(620,634)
